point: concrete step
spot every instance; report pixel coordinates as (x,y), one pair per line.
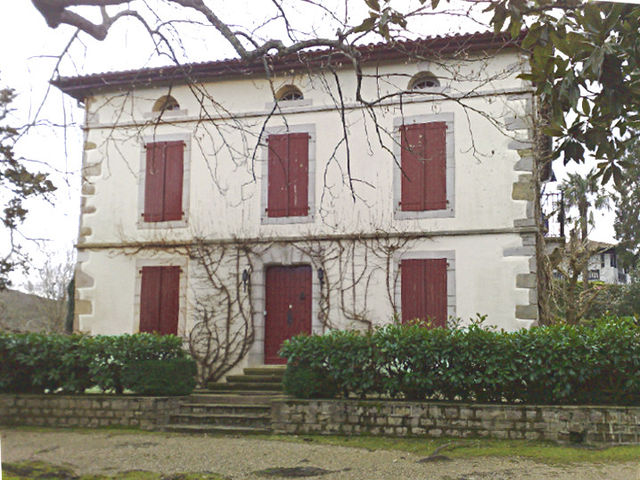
(254,378)
(226,420)
(214,429)
(255,397)
(225,408)
(275,370)
(245,387)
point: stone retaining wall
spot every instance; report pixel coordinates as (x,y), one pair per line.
(87,410)
(576,424)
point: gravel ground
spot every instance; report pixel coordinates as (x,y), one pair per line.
(240,457)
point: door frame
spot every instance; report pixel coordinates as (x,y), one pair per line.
(286,256)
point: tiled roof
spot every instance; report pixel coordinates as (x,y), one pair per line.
(82,86)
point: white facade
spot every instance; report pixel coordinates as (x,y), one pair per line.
(355,231)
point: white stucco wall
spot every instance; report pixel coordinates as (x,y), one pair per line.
(224,164)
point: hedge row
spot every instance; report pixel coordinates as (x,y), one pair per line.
(596,364)
(37,363)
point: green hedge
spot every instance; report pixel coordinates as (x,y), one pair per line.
(37,363)
(175,376)
(595,364)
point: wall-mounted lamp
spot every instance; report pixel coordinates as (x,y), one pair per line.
(321,276)
(245,279)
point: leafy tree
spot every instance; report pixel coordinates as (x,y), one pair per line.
(17,184)
(627,208)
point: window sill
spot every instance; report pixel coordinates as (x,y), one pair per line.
(418,215)
(162,225)
(286,220)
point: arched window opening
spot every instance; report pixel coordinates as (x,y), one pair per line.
(424,81)
(166,103)
(289,92)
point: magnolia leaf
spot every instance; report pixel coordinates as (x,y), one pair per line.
(373,4)
(366,26)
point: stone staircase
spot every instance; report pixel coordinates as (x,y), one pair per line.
(242,404)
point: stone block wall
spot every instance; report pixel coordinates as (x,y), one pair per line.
(87,410)
(576,424)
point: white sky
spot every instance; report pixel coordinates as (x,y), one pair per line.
(27,59)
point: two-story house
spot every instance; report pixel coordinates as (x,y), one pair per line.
(267,205)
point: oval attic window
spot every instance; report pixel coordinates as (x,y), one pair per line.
(289,92)
(424,81)
(166,103)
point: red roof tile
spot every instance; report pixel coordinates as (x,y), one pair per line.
(82,86)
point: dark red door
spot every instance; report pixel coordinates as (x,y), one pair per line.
(288,307)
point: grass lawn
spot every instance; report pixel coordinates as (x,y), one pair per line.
(468,448)
(32,470)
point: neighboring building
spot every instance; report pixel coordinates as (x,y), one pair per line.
(603,264)
(202,196)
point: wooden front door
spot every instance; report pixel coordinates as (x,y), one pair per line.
(288,307)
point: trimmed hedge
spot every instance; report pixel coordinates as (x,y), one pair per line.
(175,376)
(35,362)
(595,364)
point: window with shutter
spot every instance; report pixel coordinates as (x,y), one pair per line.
(424,290)
(160,300)
(164,175)
(424,166)
(288,175)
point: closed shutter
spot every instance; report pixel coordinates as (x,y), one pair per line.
(160,300)
(278,173)
(288,175)
(435,174)
(298,174)
(412,164)
(169,301)
(150,294)
(423,163)
(154,183)
(164,176)
(424,290)
(173,180)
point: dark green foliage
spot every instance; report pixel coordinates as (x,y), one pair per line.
(562,364)
(36,362)
(176,376)
(303,381)
(17,185)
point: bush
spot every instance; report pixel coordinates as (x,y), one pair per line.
(174,376)
(303,381)
(562,364)
(37,363)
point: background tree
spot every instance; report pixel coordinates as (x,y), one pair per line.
(17,185)
(627,209)
(52,283)
(583,192)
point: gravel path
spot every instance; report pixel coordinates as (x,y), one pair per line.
(240,457)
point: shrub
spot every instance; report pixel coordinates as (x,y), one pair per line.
(36,362)
(176,376)
(303,381)
(562,364)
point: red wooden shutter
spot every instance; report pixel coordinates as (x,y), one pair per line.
(169,301)
(160,300)
(173,180)
(424,290)
(278,176)
(298,174)
(150,294)
(412,164)
(435,174)
(154,182)
(424,166)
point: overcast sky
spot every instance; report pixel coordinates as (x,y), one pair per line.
(28,57)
